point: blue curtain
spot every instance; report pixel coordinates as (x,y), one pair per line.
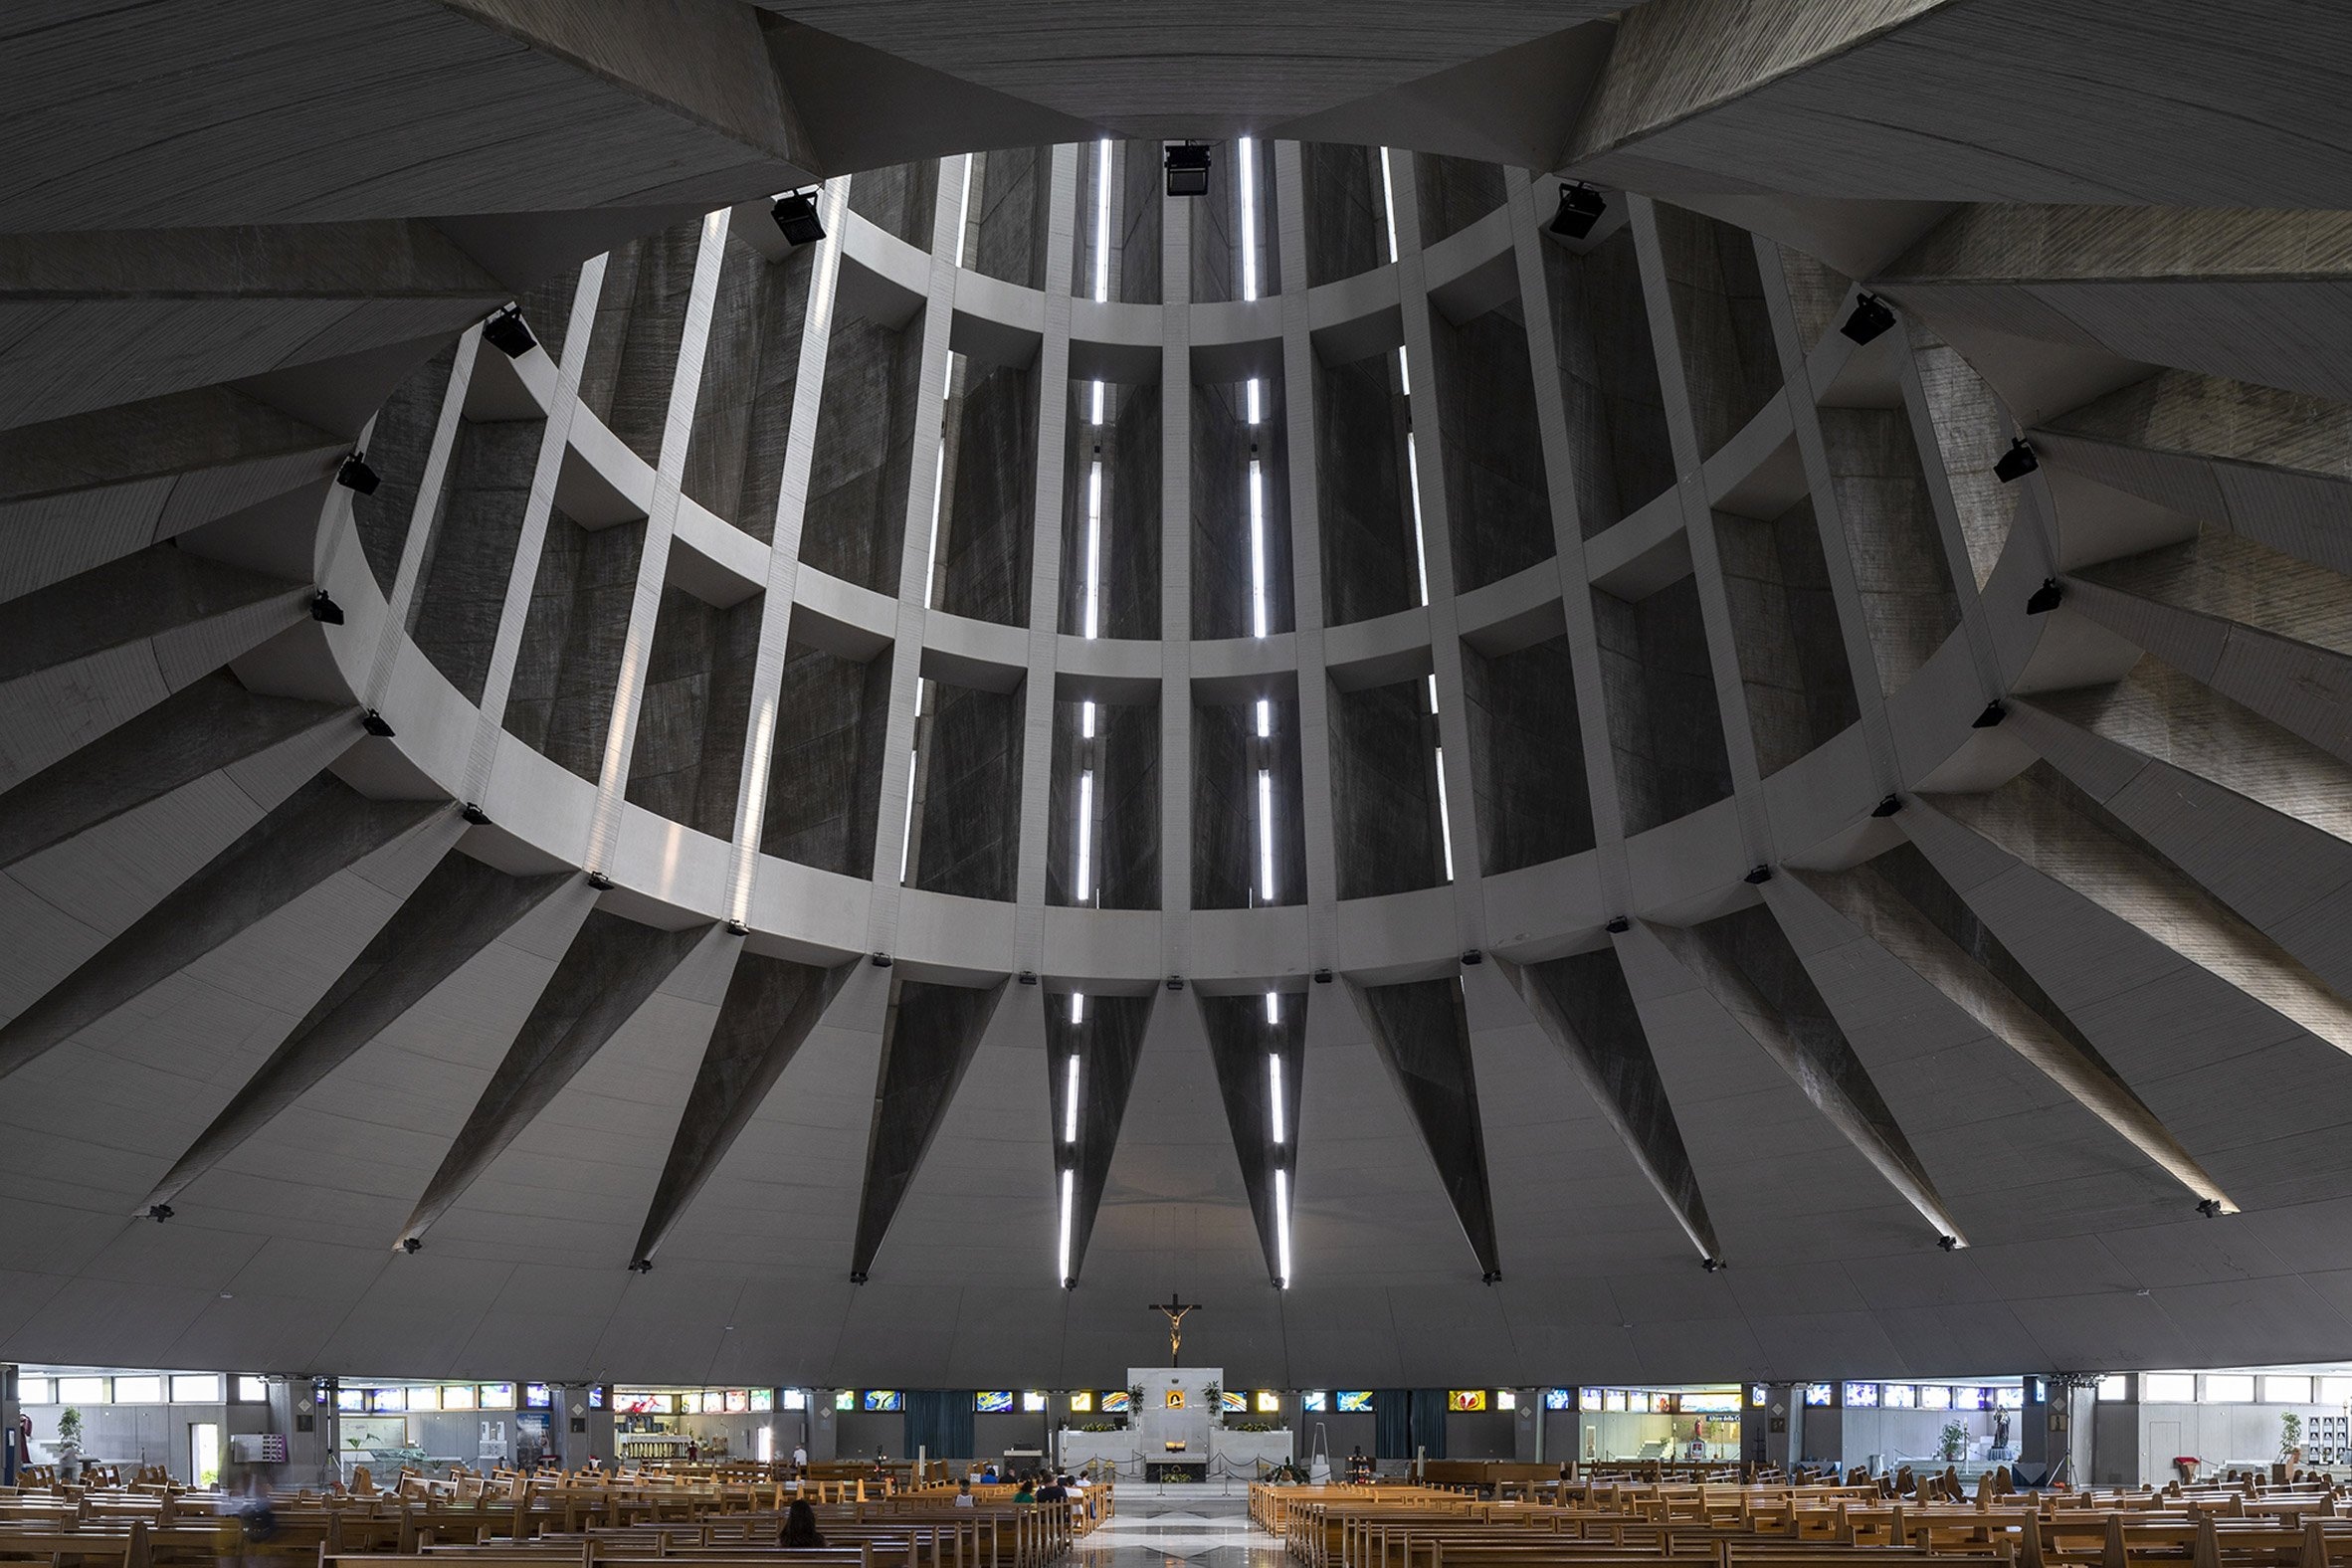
(1392,1423)
(939,1422)
(1429,1421)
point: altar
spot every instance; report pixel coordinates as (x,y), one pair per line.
(1176,1432)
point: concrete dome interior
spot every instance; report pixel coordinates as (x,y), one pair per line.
(1500,805)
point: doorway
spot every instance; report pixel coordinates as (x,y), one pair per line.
(204,1453)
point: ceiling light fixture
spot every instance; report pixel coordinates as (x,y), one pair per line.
(796,215)
(1581,207)
(1186,164)
(505,333)
(1871,316)
(2018,462)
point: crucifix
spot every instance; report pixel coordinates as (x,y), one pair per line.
(1175,1309)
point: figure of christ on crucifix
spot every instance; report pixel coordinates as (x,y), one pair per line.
(1176,1307)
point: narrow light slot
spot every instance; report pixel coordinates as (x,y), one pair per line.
(1087,721)
(1257,549)
(1078,1007)
(1098,419)
(1388,198)
(906,835)
(1265,880)
(1070,1103)
(1069,1203)
(1103,220)
(1264,717)
(1086,838)
(1273,1079)
(1274,1006)
(1281,1223)
(1444,817)
(1405,377)
(1432,693)
(1249,164)
(938,498)
(963,212)
(1094,550)
(1419,546)
(1255,413)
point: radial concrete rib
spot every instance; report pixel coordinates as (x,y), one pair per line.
(118,315)
(199,730)
(1423,1033)
(771,1005)
(461,908)
(2145,281)
(1901,901)
(611,969)
(1676,59)
(1108,1041)
(319,829)
(928,1040)
(2225,796)
(1240,1043)
(151,595)
(2046,823)
(2293,672)
(78,491)
(1582,1003)
(1735,958)
(2269,466)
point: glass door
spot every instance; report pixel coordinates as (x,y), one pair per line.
(204,1453)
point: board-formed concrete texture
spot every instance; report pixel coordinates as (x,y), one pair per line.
(1624,782)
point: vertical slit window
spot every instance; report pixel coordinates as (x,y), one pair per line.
(1258,546)
(1070,1101)
(1388,200)
(1078,1007)
(1085,837)
(1249,164)
(1265,874)
(1282,1223)
(1420,543)
(1069,1197)
(1273,1081)
(1102,241)
(1095,549)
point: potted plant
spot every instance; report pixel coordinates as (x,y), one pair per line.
(2290,1437)
(1952,1443)
(69,1443)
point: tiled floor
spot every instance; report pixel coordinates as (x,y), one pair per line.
(1201,1531)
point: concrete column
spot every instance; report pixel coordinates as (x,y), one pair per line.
(1176,524)
(1460,795)
(1576,599)
(1306,561)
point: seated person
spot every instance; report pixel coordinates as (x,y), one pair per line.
(963,1497)
(1023,1493)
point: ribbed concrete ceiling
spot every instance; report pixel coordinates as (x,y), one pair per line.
(1827,890)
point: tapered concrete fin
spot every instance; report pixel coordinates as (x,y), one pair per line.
(611,968)
(2045,823)
(771,1005)
(319,829)
(143,313)
(84,656)
(2141,280)
(1108,1042)
(1581,1003)
(200,729)
(1902,901)
(2270,465)
(2253,624)
(1747,966)
(1423,1033)
(149,595)
(461,908)
(1240,1042)
(78,492)
(2260,818)
(928,1040)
